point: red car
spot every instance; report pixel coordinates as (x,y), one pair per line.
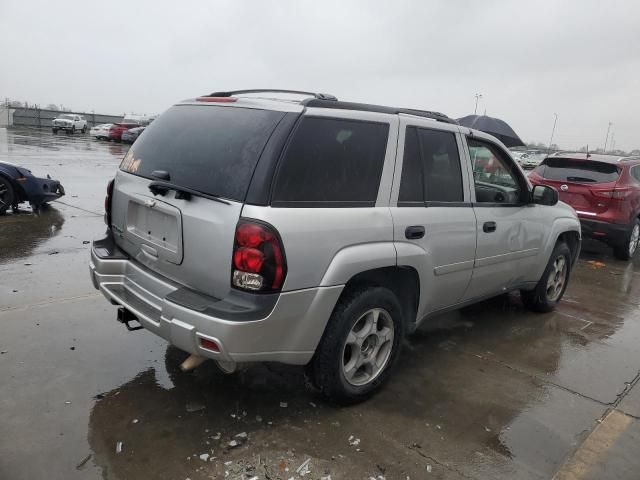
(115,132)
(605,192)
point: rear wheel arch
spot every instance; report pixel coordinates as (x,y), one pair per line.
(402,281)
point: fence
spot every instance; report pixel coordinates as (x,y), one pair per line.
(36,117)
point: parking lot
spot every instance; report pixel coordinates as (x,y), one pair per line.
(489,392)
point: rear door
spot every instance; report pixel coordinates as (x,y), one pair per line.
(580,181)
(210,151)
(433,220)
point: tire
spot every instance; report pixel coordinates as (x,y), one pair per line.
(7,195)
(545,297)
(629,247)
(366,326)
(55,131)
(73,130)
(84,129)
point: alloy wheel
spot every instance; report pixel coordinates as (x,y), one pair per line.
(557,278)
(368,347)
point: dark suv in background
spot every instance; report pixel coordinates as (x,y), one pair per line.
(605,192)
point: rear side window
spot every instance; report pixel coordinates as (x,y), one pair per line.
(431,167)
(210,149)
(332,161)
(579,171)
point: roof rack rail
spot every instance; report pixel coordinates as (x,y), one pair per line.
(365,107)
(319,96)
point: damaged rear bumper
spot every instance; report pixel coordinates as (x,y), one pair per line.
(285,328)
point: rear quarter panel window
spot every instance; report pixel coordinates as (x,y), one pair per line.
(332,161)
(210,149)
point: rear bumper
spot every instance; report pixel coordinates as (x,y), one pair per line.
(612,233)
(288,332)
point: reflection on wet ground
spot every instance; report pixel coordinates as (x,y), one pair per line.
(488,392)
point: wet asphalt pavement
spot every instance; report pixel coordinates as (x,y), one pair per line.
(490,392)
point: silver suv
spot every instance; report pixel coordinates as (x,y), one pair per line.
(317,232)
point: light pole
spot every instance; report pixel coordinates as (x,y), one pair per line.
(553,130)
(606,139)
(478,97)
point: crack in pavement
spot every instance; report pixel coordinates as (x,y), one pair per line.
(49,302)
(437,462)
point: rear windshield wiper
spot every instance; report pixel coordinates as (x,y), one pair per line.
(580,179)
(183,193)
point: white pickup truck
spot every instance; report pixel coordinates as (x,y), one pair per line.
(69,122)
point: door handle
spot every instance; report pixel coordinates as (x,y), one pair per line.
(414,232)
(489,227)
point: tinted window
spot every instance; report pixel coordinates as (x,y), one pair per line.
(431,167)
(493,174)
(635,171)
(210,149)
(581,171)
(333,160)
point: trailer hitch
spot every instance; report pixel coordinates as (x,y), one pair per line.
(125,316)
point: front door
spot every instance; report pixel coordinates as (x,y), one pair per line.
(434,223)
(510,231)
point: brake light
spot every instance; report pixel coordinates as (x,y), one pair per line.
(616,193)
(258,258)
(107,203)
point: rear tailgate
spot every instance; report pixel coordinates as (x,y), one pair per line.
(209,150)
(580,181)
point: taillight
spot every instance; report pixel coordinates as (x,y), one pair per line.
(616,193)
(107,203)
(258,258)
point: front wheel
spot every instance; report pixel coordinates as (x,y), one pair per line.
(553,283)
(84,129)
(73,130)
(627,249)
(360,345)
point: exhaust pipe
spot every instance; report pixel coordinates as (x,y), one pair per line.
(192,362)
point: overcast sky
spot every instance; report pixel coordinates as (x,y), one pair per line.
(529,60)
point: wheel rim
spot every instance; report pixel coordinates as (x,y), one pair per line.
(368,347)
(633,241)
(4,196)
(557,278)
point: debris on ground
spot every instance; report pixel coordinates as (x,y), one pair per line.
(85,242)
(353,441)
(119,447)
(216,436)
(72,348)
(258,418)
(429,468)
(194,407)
(83,462)
(596,264)
(313,404)
(67,402)
(284,404)
(135,420)
(304,469)
(239,439)
(204,457)
(3,352)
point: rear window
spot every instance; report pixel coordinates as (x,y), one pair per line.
(579,171)
(332,161)
(210,149)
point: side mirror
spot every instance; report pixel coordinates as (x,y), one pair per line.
(544,195)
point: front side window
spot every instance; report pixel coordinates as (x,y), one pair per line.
(494,179)
(332,161)
(431,167)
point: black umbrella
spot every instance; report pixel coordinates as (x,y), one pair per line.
(493,126)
